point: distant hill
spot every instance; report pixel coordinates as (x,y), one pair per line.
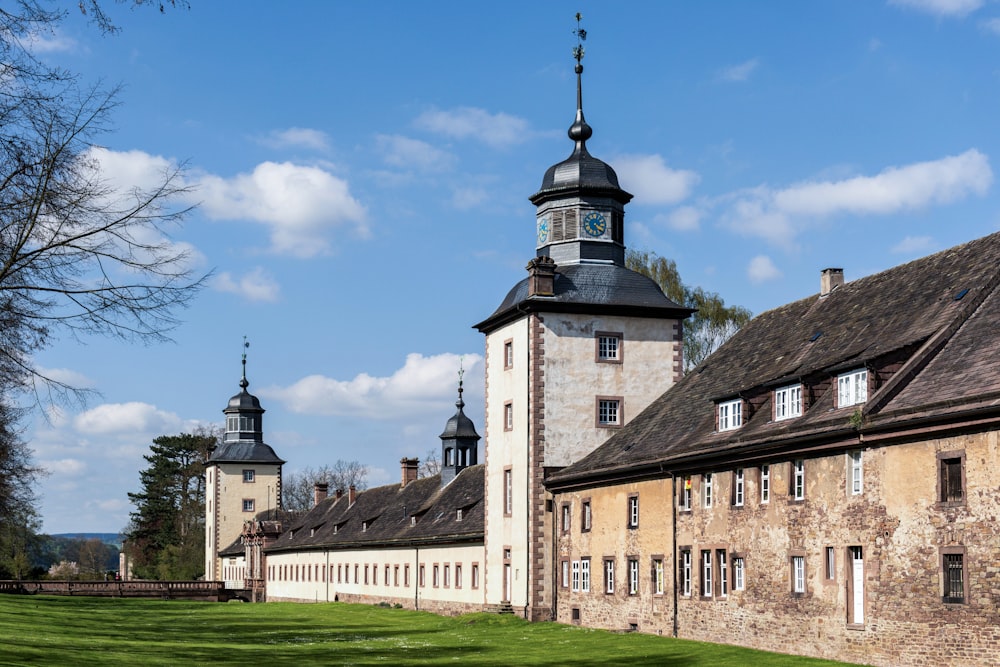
(114,539)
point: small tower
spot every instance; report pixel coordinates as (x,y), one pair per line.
(459,441)
(242,475)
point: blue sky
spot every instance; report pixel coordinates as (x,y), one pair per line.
(363,170)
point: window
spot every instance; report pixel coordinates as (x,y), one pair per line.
(508,354)
(739,573)
(458,514)
(852,388)
(585,518)
(366,575)
(475,575)
(508,416)
(248,504)
(765,484)
(447,576)
(356,568)
(953,575)
(730,415)
(798,479)
(720,557)
(508,491)
(798,574)
(685,500)
(951,482)
(406,576)
(855,481)
(788,402)
(706,574)
(739,485)
(566,514)
(686,572)
(436,574)
(585,575)
(609,576)
(856,586)
(658,573)
(385,579)
(422,576)
(609,347)
(395,576)
(576,576)
(706,489)
(831,564)
(248,476)
(458,576)
(633,576)
(564,569)
(633,511)
(609,412)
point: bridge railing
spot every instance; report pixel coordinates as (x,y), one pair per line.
(203,590)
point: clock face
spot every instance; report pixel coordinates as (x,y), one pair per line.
(595,224)
(543,229)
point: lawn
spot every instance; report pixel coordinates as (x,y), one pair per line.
(40,630)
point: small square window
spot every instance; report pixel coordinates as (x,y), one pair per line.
(730,415)
(788,402)
(248,504)
(609,347)
(609,411)
(248,476)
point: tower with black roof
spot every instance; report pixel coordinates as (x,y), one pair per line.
(242,476)
(459,443)
(572,353)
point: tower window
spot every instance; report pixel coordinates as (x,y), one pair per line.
(248,504)
(508,354)
(609,411)
(609,347)
(248,476)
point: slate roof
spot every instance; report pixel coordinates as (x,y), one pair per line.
(242,451)
(926,330)
(589,288)
(388,511)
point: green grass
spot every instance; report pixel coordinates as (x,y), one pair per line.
(40,630)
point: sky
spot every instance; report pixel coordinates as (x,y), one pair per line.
(362,171)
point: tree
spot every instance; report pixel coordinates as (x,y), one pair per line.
(18,517)
(167,530)
(431,465)
(297,488)
(77,255)
(713,323)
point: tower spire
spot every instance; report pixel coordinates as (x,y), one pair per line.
(244,383)
(579,131)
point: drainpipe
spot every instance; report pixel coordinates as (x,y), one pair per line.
(416,581)
(326,575)
(673,540)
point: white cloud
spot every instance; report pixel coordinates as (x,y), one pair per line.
(257,285)
(740,72)
(778,215)
(465,198)
(413,154)
(991,25)
(422,383)
(497,130)
(300,204)
(68,377)
(53,41)
(652,181)
(68,467)
(957,8)
(684,218)
(297,137)
(762,269)
(913,245)
(112,418)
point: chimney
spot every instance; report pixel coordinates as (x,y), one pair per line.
(541,276)
(408,468)
(352,495)
(829,280)
(320,491)
(338,494)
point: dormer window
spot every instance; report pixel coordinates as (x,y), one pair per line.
(852,388)
(788,402)
(413,520)
(364,526)
(458,515)
(730,414)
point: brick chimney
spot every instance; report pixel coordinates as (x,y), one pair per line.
(320,491)
(338,494)
(408,469)
(352,495)
(829,280)
(541,276)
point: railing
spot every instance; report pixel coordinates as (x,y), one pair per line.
(167,590)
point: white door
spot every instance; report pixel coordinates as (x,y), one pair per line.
(506,582)
(858,580)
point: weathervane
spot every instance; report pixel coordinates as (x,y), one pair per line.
(246,344)
(581,37)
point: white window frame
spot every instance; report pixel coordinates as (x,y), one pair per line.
(706,490)
(685,501)
(739,573)
(798,479)
(788,402)
(686,572)
(852,388)
(855,473)
(658,576)
(587,517)
(706,573)
(739,487)
(798,574)
(633,576)
(633,511)
(508,483)
(567,518)
(609,576)
(576,576)
(723,573)
(508,416)
(609,411)
(249,475)
(831,563)
(585,575)
(609,347)
(730,414)
(765,484)
(248,504)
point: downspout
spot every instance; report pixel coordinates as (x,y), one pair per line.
(416,580)
(327,575)
(673,545)
(530,471)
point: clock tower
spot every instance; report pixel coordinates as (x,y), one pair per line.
(572,353)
